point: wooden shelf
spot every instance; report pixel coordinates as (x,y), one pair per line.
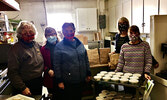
(9,5)
(7,31)
(2,20)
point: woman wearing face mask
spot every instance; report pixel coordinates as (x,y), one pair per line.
(47,53)
(135,56)
(71,65)
(25,62)
(122,37)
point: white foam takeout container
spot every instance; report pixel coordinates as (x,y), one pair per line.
(100,74)
(20,97)
(136,74)
(98,78)
(116,79)
(103,72)
(112,73)
(116,76)
(124,80)
(119,73)
(106,78)
(133,81)
(134,77)
(125,76)
(128,74)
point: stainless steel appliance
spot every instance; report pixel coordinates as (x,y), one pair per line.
(158,31)
(4,81)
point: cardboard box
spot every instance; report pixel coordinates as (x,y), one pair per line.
(82,38)
(104,55)
(113,60)
(93,56)
(97,36)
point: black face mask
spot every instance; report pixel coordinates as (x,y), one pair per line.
(123,27)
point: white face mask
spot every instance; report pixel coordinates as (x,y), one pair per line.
(52,39)
(133,38)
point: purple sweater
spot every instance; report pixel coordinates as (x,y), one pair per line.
(135,58)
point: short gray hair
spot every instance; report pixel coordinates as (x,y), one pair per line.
(21,27)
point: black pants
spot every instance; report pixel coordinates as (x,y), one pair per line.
(35,86)
(51,90)
(70,92)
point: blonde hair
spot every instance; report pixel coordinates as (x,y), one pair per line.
(23,25)
(124,20)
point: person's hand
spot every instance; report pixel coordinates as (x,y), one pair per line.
(26,91)
(61,85)
(156,66)
(147,76)
(51,73)
(88,79)
(113,52)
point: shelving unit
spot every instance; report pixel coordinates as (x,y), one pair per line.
(140,86)
(7,32)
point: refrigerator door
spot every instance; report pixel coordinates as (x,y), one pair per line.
(158,35)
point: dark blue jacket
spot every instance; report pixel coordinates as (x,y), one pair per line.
(71,63)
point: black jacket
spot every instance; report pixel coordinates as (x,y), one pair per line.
(71,63)
(25,63)
(117,47)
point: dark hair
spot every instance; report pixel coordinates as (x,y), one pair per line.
(135,29)
(65,25)
(49,30)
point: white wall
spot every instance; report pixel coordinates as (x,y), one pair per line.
(70,6)
(33,10)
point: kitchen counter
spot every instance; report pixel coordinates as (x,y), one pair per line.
(160,88)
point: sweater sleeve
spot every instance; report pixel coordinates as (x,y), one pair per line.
(13,70)
(121,61)
(148,59)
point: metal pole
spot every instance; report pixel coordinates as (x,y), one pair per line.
(44,3)
(158,6)
(143,24)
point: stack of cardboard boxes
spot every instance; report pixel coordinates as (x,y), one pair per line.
(97,56)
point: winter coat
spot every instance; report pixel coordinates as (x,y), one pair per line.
(71,63)
(47,80)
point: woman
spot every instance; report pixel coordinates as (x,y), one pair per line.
(71,64)
(47,53)
(122,37)
(25,62)
(135,56)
